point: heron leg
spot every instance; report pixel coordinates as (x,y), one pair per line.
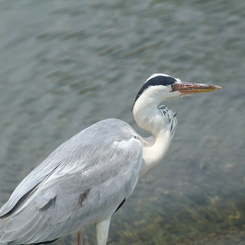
(79,238)
(102,230)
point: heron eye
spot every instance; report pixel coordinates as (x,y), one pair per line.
(173,88)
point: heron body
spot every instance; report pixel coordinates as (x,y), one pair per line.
(87,178)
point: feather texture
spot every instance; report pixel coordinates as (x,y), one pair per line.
(86,176)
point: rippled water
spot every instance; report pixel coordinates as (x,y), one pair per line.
(67,64)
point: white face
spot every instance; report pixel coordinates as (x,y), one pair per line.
(161,93)
(158,82)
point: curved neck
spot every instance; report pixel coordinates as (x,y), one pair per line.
(146,114)
(155,148)
(161,126)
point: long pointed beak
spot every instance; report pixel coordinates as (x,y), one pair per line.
(193,88)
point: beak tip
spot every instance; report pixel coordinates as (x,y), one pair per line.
(214,87)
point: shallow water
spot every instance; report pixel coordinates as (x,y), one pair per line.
(68,64)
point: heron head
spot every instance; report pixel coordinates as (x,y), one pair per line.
(161,87)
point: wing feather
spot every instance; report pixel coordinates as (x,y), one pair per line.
(82,182)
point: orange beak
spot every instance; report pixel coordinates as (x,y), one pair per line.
(193,88)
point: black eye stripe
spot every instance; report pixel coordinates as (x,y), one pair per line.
(155,81)
(160,80)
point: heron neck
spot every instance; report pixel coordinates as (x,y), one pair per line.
(147,116)
(155,148)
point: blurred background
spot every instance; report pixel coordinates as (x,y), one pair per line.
(66,64)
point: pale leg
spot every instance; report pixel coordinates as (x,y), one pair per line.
(102,230)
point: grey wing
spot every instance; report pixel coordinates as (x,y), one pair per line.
(29,183)
(64,157)
(102,172)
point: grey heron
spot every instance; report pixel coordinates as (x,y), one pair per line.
(88,178)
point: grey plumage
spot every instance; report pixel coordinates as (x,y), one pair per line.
(61,195)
